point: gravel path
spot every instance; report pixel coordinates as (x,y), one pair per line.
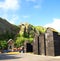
(27,57)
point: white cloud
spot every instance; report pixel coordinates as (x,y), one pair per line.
(8,8)
(9,5)
(14,19)
(37,6)
(55,24)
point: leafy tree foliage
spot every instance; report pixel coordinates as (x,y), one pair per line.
(3,45)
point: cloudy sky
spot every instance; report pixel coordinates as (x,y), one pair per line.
(37,12)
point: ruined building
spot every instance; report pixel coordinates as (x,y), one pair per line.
(47,43)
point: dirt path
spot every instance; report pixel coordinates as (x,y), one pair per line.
(32,57)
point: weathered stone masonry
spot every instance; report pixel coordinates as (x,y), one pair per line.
(47,43)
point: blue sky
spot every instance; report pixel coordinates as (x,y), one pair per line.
(37,12)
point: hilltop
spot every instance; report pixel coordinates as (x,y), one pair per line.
(7,30)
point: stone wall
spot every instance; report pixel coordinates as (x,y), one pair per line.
(52,43)
(47,43)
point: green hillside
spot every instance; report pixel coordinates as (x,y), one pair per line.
(7,31)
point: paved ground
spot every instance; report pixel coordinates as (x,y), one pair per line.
(10,57)
(27,57)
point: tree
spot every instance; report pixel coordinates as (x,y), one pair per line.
(3,45)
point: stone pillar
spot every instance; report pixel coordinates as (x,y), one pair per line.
(36,44)
(49,44)
(42,46)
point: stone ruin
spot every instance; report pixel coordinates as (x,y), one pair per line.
(47,43)
(52,41)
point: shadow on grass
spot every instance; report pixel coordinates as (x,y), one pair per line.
(9,56)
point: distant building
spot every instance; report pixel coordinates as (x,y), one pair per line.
(10,45)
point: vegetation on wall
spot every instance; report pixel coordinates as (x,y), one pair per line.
(3,45)
(27,32)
